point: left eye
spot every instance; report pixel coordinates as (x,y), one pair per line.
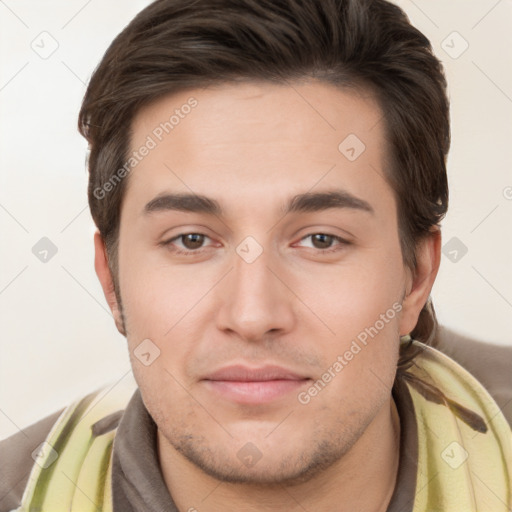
(323,241)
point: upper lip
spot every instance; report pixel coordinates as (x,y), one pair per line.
(241,373)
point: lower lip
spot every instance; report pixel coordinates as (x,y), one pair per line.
(255,392)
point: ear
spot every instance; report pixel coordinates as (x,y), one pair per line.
(420,282)
(107,283)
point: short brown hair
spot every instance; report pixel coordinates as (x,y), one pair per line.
(174,45)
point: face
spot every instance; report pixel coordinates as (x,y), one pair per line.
(263,319)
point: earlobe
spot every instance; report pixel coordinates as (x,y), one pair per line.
(105,277)
(428,257)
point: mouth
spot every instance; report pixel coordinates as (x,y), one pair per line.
(245,385)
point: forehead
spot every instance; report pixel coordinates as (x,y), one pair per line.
(309,110)
(260,139)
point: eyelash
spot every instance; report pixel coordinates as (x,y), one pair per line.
(192,252)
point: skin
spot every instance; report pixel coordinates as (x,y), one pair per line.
(251,147)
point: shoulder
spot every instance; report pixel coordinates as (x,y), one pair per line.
(489,363)
(16,456)
(103,407)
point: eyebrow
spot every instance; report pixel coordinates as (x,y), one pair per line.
(301,203)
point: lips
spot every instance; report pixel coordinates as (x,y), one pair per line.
(241,373)
(246,385)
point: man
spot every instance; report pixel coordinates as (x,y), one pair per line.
(268,181)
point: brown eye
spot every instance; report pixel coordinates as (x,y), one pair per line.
(324,242)
(192,240)
(188,244)
(321,240)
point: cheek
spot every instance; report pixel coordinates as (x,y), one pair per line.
(163,308)
(351,297)
(156,294)
(361,305)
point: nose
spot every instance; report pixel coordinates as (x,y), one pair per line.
(255,302)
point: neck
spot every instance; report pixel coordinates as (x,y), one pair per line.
(364,479)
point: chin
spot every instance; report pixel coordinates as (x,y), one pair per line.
(266,468)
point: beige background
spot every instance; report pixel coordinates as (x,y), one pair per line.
(58,338)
